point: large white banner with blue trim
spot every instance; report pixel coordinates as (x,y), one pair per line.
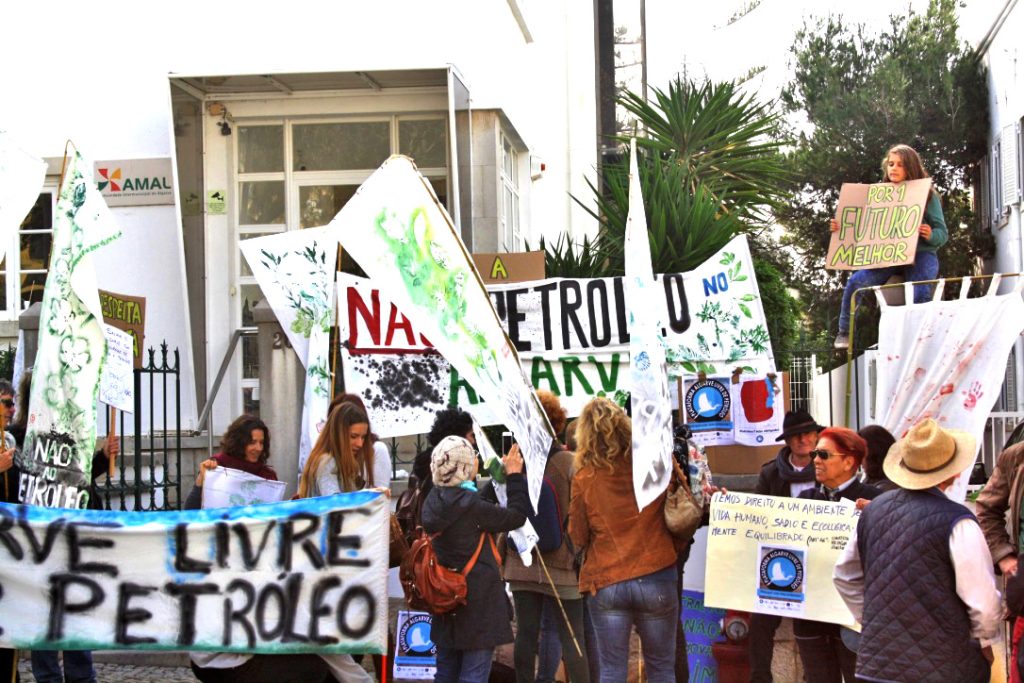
(302,576)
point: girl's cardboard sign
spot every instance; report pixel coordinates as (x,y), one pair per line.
(878,224)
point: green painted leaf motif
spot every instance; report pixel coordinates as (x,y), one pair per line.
(740,278)
(748,297)
(746,310)
(688,366)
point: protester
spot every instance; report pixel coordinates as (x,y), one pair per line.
(46,664)
(550,584)
(1004,492)
(916,571)
(340,457)
(466,637)
(900,163)
(1015,609)
(448,422)
(788,475)
(8,494)
(246,447)
(6,401)
(629,561)
(374,450)
(879,442)
(837,458)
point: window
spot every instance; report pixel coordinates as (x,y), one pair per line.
(511,234)
(293,175)
(996,185)
(27,259)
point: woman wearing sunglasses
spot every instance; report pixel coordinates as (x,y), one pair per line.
(837,458)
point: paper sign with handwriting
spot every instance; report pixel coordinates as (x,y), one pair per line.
(878,224)
(775,555)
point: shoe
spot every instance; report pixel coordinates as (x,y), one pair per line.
(842,341)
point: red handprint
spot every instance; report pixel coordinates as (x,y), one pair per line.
(972,395)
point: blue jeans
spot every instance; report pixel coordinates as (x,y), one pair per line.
(650,603)
(77,666)
(924,267)
(463,666)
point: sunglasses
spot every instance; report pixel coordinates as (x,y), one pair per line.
(822,453)
(7,402)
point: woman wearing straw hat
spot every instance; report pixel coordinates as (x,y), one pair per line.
(917,572)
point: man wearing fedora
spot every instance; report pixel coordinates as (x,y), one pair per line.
(917,572)
(789,474)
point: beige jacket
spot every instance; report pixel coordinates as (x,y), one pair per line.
(1003,492)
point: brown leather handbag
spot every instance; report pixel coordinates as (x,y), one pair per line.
(430,586)
(682,513)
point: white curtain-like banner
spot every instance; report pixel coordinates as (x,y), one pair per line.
(946,360)
(303,576)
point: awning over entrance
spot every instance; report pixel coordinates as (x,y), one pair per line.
(254,84)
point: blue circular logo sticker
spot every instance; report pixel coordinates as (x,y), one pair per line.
(782,570)
(707,401)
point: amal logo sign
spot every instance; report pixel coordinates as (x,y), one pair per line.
(135,182)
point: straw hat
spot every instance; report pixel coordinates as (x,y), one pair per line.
(928,455)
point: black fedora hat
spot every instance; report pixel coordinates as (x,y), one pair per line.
(797,422)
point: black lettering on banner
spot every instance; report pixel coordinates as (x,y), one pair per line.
(498,301)
(545,310)
(514,318)
(337,543)
(249,559)
(59,605)
(268,592)
(289,537)
(621,321)
(678,306)
(188,594)
(6,537)
(600,323)
(125,616)
(40,552)
(355,593)
(318,610)
(221,543)
(1,598)
(232,615)
(182,562)
(293,588)
(569,312)
(76,543)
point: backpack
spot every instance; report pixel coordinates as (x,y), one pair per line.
(429,586)
(407,508)
(547,520)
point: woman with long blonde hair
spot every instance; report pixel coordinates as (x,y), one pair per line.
(629,566)
(342,458)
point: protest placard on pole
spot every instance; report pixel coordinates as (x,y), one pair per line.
(126,313)
(878,224)
(117,381)
(301,576)
(775,555)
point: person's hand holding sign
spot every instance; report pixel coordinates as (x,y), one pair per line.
(833,225)
(925,231)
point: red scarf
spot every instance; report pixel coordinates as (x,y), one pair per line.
(260,469)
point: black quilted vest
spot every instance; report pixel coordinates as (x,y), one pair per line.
(916,628)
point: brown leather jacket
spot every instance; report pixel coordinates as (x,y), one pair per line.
(621,542)
(1001,493)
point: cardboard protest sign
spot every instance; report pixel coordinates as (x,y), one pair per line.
(401,236)
(56,458)
(128,314)
(775,555)
(303,576)
(225,487)
(415,651)
(703,627)
(117,381)
(295,272)
(878,224)
(508,267)
(651,406)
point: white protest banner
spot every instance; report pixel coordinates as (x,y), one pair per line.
(225,487)
(652,407)
(23,176)
(775,555)
(56,458)
(295,272)
(401,236)
(117,381)
(415,651)
(302,576)
(946,360)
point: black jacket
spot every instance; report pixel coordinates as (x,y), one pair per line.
(461,515)
(777,474)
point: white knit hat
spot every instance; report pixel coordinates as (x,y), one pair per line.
(453,461)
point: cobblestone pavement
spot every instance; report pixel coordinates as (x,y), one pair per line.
(125,673)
